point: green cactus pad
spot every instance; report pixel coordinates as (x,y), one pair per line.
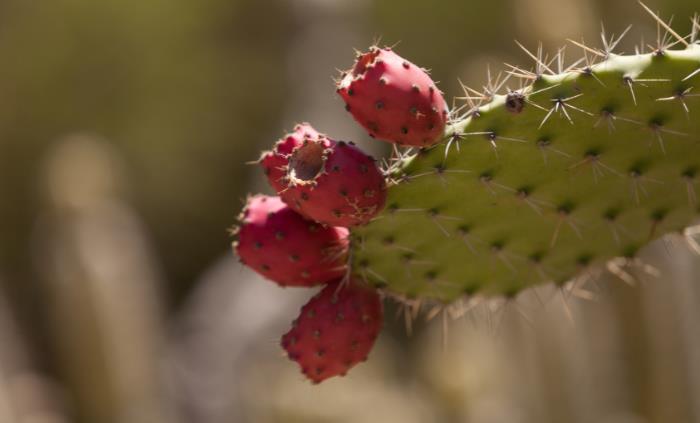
(535,186)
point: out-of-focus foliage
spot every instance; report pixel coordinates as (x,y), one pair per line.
(186,92)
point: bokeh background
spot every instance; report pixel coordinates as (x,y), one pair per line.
(125,126)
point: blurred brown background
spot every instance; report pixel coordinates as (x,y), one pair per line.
(124,129)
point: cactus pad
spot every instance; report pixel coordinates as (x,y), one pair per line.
(536,185)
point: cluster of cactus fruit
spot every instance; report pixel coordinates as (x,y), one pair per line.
(577,168)
(325,187)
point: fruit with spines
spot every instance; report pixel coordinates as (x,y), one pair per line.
(393,99)
(334,183)
(274,162)
(335,330)
(284,247)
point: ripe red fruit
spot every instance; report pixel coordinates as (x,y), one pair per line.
(334,183)
(286,248)
(394,99)
(335,330)
(275,162)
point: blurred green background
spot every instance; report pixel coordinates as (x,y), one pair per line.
(125,127)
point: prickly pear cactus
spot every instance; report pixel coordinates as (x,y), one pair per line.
(580,166)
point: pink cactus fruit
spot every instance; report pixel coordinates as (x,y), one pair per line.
(334,183)
(274,162)
(286,248)
(393,99)
(335,330)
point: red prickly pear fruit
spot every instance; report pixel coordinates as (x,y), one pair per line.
(286,248)
(335,330)
(334,183)
(275,161)
(393,99)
